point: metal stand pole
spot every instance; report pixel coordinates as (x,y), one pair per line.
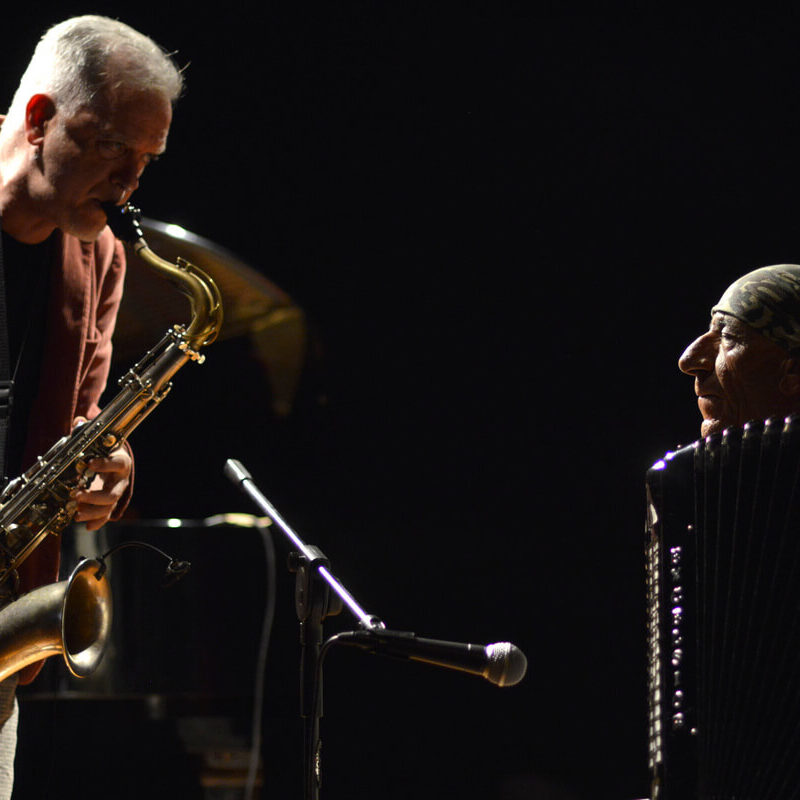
(313,603)
(318,594)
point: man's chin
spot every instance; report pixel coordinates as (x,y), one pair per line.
(709,426)
(86,225)
(84,232)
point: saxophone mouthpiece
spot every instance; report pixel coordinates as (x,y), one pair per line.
(124,221)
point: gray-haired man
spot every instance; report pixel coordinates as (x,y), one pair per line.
(92,110)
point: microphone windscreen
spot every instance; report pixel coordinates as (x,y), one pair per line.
(507,664)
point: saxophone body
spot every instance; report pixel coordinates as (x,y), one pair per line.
(35,505)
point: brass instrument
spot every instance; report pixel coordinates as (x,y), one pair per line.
(73,617)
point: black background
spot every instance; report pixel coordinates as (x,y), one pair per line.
(504,221)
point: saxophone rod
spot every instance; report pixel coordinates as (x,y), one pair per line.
(236,472)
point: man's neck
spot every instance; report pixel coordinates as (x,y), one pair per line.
(22,220)
(20,224)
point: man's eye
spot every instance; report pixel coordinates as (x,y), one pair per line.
(110,148)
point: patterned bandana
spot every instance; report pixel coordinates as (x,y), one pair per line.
(767,299)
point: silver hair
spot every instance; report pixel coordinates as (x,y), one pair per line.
(76,60)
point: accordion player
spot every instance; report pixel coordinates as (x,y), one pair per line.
(723,560)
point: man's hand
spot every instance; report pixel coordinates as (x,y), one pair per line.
(96,503)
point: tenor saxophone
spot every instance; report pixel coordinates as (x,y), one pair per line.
(73,617)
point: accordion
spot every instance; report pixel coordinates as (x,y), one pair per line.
(723,616)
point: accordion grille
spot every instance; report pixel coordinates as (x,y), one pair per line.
(723,596)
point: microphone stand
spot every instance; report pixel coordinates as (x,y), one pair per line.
(314,602)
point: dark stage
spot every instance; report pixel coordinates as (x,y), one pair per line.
(503,224)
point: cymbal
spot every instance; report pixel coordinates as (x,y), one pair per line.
(252,306)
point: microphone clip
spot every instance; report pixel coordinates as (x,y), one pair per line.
(312,597)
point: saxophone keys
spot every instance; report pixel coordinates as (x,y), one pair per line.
(193,354)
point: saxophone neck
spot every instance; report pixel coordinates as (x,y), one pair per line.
(201,290)
(204,295)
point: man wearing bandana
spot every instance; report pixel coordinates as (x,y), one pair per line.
(747,365)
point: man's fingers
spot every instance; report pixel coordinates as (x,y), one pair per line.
(93,508)
(103,498)
(106,465)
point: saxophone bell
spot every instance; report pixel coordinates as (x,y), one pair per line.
(71,617)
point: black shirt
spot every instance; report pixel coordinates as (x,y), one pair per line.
(26,269)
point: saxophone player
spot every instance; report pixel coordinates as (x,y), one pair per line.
(92,110)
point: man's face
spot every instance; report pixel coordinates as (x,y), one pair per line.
(97,155)
(738,374)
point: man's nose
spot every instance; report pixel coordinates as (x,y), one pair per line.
(698,357)
(127,174)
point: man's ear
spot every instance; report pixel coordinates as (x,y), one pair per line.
(38,112)
(789,384)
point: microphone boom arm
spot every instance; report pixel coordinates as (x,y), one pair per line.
(237,473)
(502,664)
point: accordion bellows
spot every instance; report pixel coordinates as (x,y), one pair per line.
(723,604)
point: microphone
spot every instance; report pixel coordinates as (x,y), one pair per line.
(501,663)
